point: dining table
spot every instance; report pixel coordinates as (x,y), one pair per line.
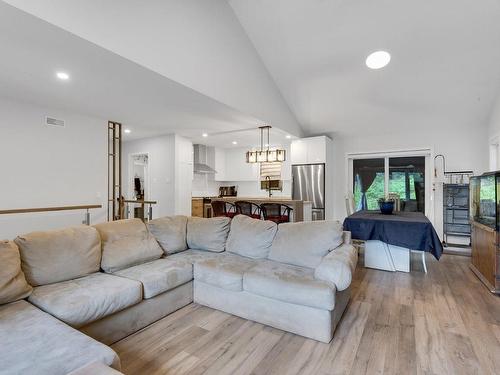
(390,239)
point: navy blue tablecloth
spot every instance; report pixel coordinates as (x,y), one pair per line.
(410,230)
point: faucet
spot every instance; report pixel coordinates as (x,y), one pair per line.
(268,179)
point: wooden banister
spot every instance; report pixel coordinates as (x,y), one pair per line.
(49,209)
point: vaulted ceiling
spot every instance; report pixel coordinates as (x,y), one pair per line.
(300,64)
(445,67)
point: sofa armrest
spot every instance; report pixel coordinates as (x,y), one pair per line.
(338,266)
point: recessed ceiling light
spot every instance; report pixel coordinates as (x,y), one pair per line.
(234,143)
(378,59)
(62,75)
(204,135)
(288,136)
(128,131)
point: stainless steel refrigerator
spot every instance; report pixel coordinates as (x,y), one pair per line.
(308,184)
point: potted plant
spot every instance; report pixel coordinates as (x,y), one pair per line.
(386,205)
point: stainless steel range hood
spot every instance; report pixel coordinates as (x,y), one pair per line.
(201,163)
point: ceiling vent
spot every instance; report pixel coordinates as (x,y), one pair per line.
(51,121)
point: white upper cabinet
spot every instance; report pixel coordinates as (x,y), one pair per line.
(309,150)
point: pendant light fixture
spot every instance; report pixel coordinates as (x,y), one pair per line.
(265,154)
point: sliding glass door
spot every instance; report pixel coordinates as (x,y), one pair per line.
(407,182)
(400,178)
(369,182)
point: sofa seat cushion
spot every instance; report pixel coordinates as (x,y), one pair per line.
(305,243)
(159,275)
(224,272)
(251,237)
(126,243)
(170,232)
(13,285)
(58,255)
(208,234)
(193,255)
(289,284)
(87,299)
(34,342)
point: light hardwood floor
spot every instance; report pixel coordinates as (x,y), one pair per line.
(443,322)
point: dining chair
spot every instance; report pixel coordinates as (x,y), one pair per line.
(221,208)
(277,212)
(248,208)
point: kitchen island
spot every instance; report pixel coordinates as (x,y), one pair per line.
(302,210)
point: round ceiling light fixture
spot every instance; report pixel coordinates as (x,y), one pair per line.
(204,135)
(62,76)
(128,131)
(234,143)
(378,59)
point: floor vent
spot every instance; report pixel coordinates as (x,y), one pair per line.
(51,121)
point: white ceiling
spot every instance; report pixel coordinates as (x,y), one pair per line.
(102,83)
(445,67)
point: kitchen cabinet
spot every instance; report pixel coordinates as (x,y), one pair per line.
(309,150)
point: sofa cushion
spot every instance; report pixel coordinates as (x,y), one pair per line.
(192,256)
(305,243)
(170,232)
(59,255)
(251,237)
(338,266)
(224,272)
(289,284)
(87,299)
(13,285)
(34,342)
(159,275)
(126,243)
(208,234)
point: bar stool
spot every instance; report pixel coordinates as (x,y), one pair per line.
(248,208)
(277,212)
(221,208)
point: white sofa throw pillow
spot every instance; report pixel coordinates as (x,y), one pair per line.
(305,243)
(250,237)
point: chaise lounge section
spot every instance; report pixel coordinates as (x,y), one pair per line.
(113,279)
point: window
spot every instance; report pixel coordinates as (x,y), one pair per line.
(400,177)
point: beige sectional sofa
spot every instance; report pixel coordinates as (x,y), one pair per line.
(64,294)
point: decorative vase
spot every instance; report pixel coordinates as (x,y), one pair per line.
(386,207)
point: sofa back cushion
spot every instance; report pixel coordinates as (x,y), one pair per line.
(58,255)
(13,285)
(126,243)
(251,238)
(170,232)
(208,234)
(305,243)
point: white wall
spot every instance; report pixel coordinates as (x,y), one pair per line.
(48,166)
(204,185)
(494,136)
(170,172)
(464,149)
(198,43)
(161,172)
